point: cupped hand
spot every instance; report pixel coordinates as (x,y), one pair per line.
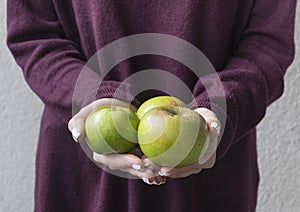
(207,161)
(130,163)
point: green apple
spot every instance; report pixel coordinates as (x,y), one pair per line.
(111,129)
(173,136)
(157,102)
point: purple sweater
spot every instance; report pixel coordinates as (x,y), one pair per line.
(250,44)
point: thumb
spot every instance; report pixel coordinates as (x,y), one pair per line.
(214,131)
(76,127)
(212,141)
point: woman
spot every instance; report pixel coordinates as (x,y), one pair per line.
(250,44)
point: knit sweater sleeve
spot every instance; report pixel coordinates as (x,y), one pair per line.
(253,77)
(51,63)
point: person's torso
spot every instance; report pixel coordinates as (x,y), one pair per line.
(214,27)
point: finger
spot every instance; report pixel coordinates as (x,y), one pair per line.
(143,174)
(119,161)
(212,143)
(206,113)
(149,164)
(155,181)
(160,180)
(76,126)
(186,173)
(214,127)
(211,162)
(180,171)
(85,111)
(150,181)
(210,117)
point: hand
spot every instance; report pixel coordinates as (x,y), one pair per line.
(207,161)
(129,163)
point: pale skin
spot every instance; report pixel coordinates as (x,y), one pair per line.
(135,163)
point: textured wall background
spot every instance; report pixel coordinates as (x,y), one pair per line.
(20,115)
(279,144)
(278,139)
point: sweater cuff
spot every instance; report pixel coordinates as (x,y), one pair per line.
(117,90)
(90,87)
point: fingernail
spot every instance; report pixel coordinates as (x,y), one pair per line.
(155,183)
(136,167)
(215,125)
(163,174)
(162,182)
(146,181)
(146,164)
(75,134)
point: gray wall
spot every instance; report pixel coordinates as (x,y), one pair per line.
(278,140)
(19,126)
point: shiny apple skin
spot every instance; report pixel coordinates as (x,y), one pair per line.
(111,129)
(173,136)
